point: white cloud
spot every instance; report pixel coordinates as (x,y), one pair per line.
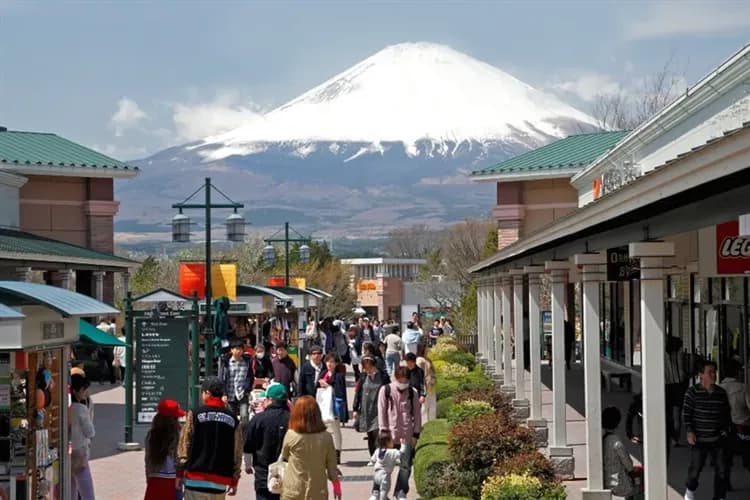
(226,112)
(588,86)
(668,19)
(123,153)
(127,116)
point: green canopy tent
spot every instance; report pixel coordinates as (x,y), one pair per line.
(92,335)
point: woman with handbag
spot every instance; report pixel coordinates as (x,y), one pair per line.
(333,405)
(81,432)
(309,455)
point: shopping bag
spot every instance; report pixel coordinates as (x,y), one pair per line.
(275,478)
(324,398)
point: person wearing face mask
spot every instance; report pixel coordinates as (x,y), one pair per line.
(262,367)
(400,414)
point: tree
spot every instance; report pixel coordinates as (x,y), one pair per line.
(412,242)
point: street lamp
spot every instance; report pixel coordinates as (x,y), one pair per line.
(269,252)
(181,233)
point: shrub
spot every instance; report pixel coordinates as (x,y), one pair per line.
(447,386)
(500,401)
(458,357)
(455,480)
(441,349)
(443,406)
(467,410)
(532,463)
(452,370)
(478,442)
(432,454)
(521,487)
(452,498)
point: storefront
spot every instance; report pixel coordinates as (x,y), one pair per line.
(38,328)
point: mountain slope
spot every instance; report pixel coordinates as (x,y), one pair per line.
(382,144)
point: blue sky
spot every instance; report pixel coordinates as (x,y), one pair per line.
(131,78)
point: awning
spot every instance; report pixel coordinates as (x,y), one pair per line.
(320,292)
(290,290)
(9,313)
(67,303)
(91,334)
(261,290)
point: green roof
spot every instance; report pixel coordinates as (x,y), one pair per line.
(39,248)
(573,152)
(91,334)
(40,149)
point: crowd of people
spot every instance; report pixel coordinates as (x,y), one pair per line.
(262,414)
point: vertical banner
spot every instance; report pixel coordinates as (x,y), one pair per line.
(193,279)
(223,280)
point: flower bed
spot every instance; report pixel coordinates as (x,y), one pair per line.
(479,451)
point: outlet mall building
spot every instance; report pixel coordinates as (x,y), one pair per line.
(659,246)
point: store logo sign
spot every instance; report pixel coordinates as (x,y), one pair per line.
(621,266)
(732,251)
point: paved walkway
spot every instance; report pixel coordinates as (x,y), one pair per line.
(120,475)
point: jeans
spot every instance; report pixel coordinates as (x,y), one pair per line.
(381,484)
(404,471)
(392,360)
(264,494)
(240,408)
(372,441)
(698,455)
(83,485)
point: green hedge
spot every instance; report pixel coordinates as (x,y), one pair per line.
(475,379)
(432,453)
(443,406)
(452,498)
(459,357)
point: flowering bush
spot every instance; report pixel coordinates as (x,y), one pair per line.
(442,348)
(500,401)
(452,370)
(521,487)
(455,480)
(478,442)
(467,410)
(450,386)
(532,463)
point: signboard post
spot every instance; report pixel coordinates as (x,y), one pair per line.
(162,359)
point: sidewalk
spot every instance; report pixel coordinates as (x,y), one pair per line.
(679,458)
(120,475)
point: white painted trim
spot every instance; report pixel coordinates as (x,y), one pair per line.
(380,260)
(710,88)
(56,170)
(71,261)
(12,180)
(530,176)
(723,157)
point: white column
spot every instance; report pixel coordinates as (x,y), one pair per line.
(485,323)
(480,319)
(23,274)
(520,400)
(652,352)
(497,308)
(492,319)
(99,285)
(535,341)
(65,278)
(594,273)
(507,344)
(560,454)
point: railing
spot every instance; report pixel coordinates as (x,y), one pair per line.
(468,342)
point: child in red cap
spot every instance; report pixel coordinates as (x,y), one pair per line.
(162,481)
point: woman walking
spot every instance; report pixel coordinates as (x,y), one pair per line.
(429,407)
(161,453)
(81,432)
(335,378)
(310,455)
(366,401)
(393,348)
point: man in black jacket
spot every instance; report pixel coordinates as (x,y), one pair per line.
(210,432)
(311,372)
(263,439)
(416,376)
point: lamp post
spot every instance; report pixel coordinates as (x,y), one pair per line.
(269,252)
(181,233)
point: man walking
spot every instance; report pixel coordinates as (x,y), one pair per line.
(400,414)
(284,369)
(707,418)
(236,373)
(263,439)
(311,372)
(209,453)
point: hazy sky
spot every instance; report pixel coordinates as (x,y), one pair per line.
(130,78)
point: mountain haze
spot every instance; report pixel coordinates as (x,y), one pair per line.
(383,144)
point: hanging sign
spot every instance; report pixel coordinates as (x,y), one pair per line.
(620,266)
(223,280)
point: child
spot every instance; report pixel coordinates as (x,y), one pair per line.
(161,453)
(618,467)
(386,458)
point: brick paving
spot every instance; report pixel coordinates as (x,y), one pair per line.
(120,475)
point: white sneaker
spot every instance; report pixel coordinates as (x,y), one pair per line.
(373,497)
(370,464)
(689,495)
(400,495)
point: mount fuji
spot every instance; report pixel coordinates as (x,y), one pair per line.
(386,143)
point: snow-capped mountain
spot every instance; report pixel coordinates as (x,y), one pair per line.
(384,143)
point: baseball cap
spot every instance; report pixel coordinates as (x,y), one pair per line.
(170,408)
(315,349)
(214,386)
(276,392)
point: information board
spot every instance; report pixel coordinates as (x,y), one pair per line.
(162,364)
(620,266)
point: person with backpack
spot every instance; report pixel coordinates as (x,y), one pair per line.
(365,407)
(263,438)
(400,413)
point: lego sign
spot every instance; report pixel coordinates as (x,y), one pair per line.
(732,251)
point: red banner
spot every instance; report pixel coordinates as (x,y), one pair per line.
(732,252)
(193,279)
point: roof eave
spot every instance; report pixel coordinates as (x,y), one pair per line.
(68,262)
(529,176)
(71,171)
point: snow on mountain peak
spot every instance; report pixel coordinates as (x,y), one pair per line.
(406,93)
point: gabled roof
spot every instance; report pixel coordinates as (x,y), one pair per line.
(574,152)
(67,303)
(21,151)
(22,246)
(161,295)
(9,313)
